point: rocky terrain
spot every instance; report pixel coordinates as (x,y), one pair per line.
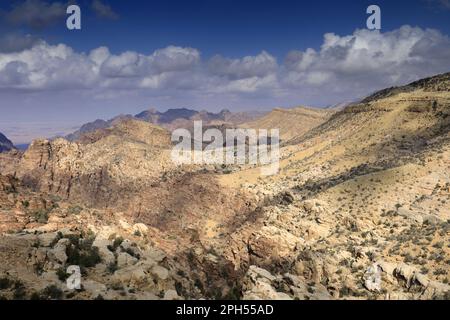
(359,210)
(291,122)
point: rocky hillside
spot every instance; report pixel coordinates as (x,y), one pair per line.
(114,204)
(361,197)
(433,84)
(359,210)
(291,122)
(99,167)
(5,143)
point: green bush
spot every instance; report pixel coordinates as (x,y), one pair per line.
(117,242)
(112,267)
(62,274)
(81,253)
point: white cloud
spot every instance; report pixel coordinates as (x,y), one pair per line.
(368,60)
(344,67)
(248,67)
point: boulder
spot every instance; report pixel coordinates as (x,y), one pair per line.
(102,246)
(257,285)
(124,259)
(263,291)
(59,251)
(405,274)
(160,272)
(171,295)
(133,276)
(47,239)
(273,242)
(153,254)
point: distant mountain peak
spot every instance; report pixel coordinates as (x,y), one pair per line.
(172,118)
(5,143)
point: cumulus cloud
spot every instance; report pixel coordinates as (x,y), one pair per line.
(36,13)
(103,10)
(344,67)
(133,64)
(46,67)
(368,60)
(247,67)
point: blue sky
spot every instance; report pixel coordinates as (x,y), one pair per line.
(234,28)
(209,54)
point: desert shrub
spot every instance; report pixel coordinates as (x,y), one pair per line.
(235,293)
(5,283)
(35,296)
(41,215)
(116,243)
(10,189)
(112,267)
(19,291)
(74,210)
(39,268)
(81,253)
(440,272)
(132,253)
(62,274)
(52,292)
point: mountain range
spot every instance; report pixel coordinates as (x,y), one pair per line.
(172,119)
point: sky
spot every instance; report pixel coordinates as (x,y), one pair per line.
(211,54)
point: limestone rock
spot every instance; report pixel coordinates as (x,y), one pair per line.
(103,250)
(59,250)
(160,272)
(124,259)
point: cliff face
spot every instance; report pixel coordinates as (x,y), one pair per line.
(99,167)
